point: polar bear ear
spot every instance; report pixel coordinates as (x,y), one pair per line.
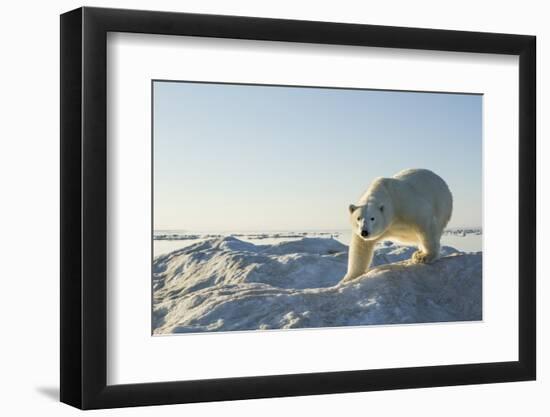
(352,208)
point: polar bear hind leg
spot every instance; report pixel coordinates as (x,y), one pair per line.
(429,246)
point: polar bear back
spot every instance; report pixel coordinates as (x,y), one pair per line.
(424,187)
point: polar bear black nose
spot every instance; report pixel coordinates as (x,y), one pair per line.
(364,233)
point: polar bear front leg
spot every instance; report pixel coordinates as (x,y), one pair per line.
(359,258)
(428,248)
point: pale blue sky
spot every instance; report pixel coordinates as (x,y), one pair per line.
(260,158)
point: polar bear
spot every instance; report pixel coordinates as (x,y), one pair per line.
(413,207)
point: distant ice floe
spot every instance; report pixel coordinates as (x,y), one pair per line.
(224,283)
(248,236)
(459,231)
(463,231)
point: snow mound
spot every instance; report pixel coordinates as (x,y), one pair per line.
(226,284)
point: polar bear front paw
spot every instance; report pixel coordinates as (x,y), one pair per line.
(349,278)
(345,280)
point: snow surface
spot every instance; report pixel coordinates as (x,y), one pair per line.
(224,284)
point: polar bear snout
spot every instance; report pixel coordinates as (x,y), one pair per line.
(364,233)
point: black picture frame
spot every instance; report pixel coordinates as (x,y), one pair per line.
(84,207)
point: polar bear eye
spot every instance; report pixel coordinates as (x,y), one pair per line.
(372,219)
(358,219)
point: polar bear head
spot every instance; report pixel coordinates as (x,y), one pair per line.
(371,219)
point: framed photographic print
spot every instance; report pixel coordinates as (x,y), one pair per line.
(257,207)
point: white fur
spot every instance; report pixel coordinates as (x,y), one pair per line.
(413,207)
